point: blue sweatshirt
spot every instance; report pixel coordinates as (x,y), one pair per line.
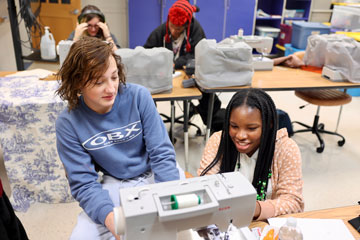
(125,142)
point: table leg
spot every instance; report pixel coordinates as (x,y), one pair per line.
(172,115)
(209,116)
(186,134)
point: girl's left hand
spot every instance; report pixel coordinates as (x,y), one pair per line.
(257,210)
(105,29)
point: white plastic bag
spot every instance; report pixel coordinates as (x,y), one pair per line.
(151,68)
(316,47)
(344,57)
(63,49)
(223,64)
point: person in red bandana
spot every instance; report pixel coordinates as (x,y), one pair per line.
(180,34)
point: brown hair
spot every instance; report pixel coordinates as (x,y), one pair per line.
(87,61)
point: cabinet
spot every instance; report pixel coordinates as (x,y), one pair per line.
(240,14)
(144,17)
(222,18)
(219,18)
(279,13)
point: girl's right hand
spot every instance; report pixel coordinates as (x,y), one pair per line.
(110,224)
(79,30)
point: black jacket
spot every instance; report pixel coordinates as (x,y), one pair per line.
(157,39)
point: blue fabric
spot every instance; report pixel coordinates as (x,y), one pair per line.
(86,229)
(125,142)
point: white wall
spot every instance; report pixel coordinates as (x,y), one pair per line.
(116,14)
(7,59)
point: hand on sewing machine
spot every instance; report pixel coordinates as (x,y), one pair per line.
(110,224)
(257,210)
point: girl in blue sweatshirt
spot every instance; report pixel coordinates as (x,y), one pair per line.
(109,126)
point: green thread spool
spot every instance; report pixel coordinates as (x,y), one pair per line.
(184,201)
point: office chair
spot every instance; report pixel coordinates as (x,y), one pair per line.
(167,119)
(325,97)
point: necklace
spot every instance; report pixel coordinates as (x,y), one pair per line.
(262,185)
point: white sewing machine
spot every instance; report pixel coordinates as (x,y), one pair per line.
(159,211)
(332,74)
(263,45)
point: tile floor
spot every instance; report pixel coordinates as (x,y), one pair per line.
(331,179)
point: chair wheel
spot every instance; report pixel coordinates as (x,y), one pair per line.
(341,143)
(320,149)
(321,126)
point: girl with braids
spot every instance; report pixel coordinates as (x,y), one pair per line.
(267,157)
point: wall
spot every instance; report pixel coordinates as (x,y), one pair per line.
(6,63)
(116,14)
(114,10)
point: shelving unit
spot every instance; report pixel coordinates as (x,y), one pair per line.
(276,8)
(298,4)
(271,7)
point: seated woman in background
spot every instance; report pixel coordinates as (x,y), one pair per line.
(91,22)
(267,157)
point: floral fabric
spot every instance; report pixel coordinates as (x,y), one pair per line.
(28,110)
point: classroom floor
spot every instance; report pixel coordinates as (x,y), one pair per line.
(331,179)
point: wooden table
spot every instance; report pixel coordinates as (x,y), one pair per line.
(344,213)
(183,94)
(279,79)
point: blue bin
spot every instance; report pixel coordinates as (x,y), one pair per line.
(355,92)
(290,49)
(302,30)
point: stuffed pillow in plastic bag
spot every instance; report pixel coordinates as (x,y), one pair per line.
(344,57)
(316,47)
(151,68)
(223,64)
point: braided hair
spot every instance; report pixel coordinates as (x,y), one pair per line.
(227,152)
